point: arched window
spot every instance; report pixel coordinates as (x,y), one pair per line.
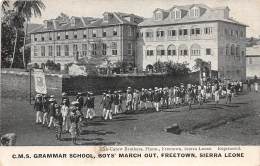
(195,50)
(171,51)
(149,51)
(232,49)
(149,67)
(183,50)
(227,50)
(160,50)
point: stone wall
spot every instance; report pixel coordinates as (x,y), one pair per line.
(74,84)
(17,84)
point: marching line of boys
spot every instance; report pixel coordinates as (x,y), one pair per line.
(68,117)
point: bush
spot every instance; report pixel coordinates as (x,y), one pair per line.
(171,68)
(53,66)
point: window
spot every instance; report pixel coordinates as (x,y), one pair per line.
(129,48)
(194,12)
(58,48)
(175,14)
(250,61)
(159,33)
(227,50)
(149,34)
(149,51)
(75,50)
(195,31)
(35,38)
(94,49)
(172,33)
(236,34)
(58,36)
(183,32)
(237,51)
(66,35)
(231,32)
(50,36)
(183,50)
(75,34)
(208,30)
(94,33)
(42,38)
(158,15)
(195,50)
(226,32)
(171,51)
(104,49)
(66,50)
(114,32)
(160,50)
(84,34)
(50,48)
(208,51)
(232,49)
(104,34)
(130,31)
(35,50)
(84,49)
(42,50)
(114,48)
(241,34)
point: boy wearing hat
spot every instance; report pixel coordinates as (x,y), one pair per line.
(38,108)
(52,102)
(45,110)
(58,121)
(108,107)
(80,99)
(65,114)
(116,102)
(88,104)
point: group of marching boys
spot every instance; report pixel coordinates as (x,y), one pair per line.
(68,116)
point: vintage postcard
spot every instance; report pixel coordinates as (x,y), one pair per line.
(131,82)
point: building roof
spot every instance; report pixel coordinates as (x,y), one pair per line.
(253,51)
(208,15)
(87,22)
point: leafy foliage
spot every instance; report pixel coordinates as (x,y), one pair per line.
(171,68)
(12,39)
(52,66)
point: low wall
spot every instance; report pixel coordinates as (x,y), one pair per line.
(17,84)
(73,84)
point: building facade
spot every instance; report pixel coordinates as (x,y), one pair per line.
(253,61)
(183,33)
(64,40)
(180,34)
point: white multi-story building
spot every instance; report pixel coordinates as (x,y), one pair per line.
(183,33)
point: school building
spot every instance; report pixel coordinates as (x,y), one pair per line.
(179,34)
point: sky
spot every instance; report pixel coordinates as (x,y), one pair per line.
(245,11)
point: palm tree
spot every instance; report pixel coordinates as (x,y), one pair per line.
(28,9)
(16,21)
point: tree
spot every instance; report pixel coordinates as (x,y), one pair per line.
(12,25)
(202,66)
(5,5)
(27,9)
(158,66)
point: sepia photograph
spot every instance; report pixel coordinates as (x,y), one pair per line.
(130,73)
